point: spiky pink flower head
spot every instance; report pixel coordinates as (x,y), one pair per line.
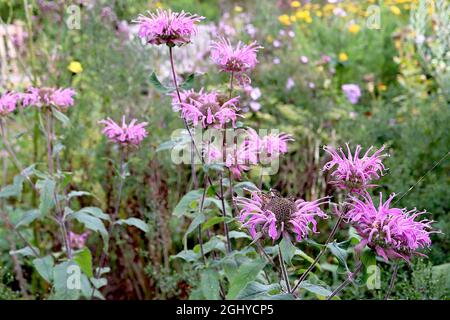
(61,98)
(209,109)
(275,216)
(392,232)
(8,103)
(237,59)
(126,134)
(270,145)
(167,27)
(77,241)
(352,172)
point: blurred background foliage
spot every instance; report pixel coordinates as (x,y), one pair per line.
(310,51)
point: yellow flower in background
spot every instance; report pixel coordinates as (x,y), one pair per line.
(75,67)
(354,28)
(302,14)
(309,20)
(269,38)
(295,4)
(382,87)
(285,19)
(158,5)
(395,10)
(319,13)
(238,9)
(293,18)
(343,57)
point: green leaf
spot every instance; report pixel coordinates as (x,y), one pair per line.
(63,290)
(246,273)
(238,235)
(338,252)
(158,85)
(84,259)
(287,250)
(211,222)
(135,222)
(92,223)
(26,252)
(368,258)
(187,255)
(95,212)
(98,283)
(218,204)
(198,220)
(61,117)
(256,290)
(314,288)
(209,283)
(302,254)
(188,82)
(186,203)
(245,185)
(47,201)
(27,218)
(74,194)
(44,267)
(13,190)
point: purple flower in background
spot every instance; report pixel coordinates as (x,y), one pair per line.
(352,92)
(8,103)
(126,134)
(290,84)
(276,43)
(255,106)
(255,93)
(208,109)
(352,172)
(392,232)
(167,27)
(61,98)
(276,60)
(276,216)
(304,59)
(326,58)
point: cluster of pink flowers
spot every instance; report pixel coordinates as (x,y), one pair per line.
(276,216)
(77,241)
(209,109)
(250,149)
(126,134)
(352,172)
(271,145)
(392,232)
(8,103)
(167,27)
(237,59)
(61,98)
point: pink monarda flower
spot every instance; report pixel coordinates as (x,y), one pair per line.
(77,241)
(392,232)
(61,98)
(238,60)
(8,103)
(352,172)
(208,109)
(127,134)
(275,216)
(167,27)
(271,145)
